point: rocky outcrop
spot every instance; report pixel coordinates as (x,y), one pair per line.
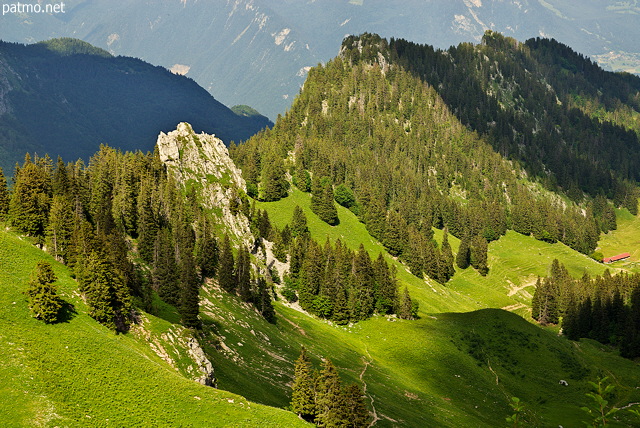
(202,363)
(202,161)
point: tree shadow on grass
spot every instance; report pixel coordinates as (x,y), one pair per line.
(66,313)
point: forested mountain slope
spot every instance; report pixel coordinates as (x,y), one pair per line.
(397,154)
(156,229)
(570,123)
(67,97)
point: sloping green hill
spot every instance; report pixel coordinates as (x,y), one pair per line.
(78,373)
(445,369)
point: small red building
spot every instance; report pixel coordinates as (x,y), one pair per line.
(616,258)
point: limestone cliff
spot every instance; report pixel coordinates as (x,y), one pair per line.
(202,161)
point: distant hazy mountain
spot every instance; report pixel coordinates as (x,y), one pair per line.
(66,97)
(257,52)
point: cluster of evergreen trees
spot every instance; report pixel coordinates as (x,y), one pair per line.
(334,282)
(384,141)
(521,97)
(320,397)
(605,308)
(123,207)
(236,276)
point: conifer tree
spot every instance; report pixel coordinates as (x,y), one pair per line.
(330,400)
(310,276)
(165,268)
(296,257)
(226,269)
(60,183)
(274,181)
(478,257)
(303,395)
(322,203)
(279,249)
(299,223)
(242,274)
(395,233)
(301,177)
(463,258)
(362,304)
(44,302)
(263,302)
(59,228)
(189,306)
(147,224)
(108,299)
(406,306)
(264,224)
(189,282)
(447,269)
(357,413)
(4,195)
(31,197)
(341,314)
(386,287)
(207,252)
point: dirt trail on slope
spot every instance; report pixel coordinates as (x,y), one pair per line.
(364,389)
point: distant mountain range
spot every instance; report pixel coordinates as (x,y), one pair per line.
(257,52)
(66,97)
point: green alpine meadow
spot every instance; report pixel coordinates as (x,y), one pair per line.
(425,238)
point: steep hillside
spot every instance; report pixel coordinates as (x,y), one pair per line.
(446,368)
(257,52)
(65,97)
(78,373)
(439,370)
(568,121)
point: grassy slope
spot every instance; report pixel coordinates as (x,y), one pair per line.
(440,370)
(79,373)
(514,260)
(625,239)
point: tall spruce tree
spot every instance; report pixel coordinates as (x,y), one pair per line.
(147,224)
(479,250)
(299,223)
(357,413)
(60,228)
(31,197)
(406,306)
(165,267)
(207,254)
(322,203)
(303,396)
(226,269)
(242,274)
(43,299)
(4,195)
(108,299)
(274,181)
(262,300)
(386,287)
(189,289)
(330,400)
(463,258)
(446,260)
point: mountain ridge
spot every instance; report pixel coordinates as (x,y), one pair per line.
(67,97)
